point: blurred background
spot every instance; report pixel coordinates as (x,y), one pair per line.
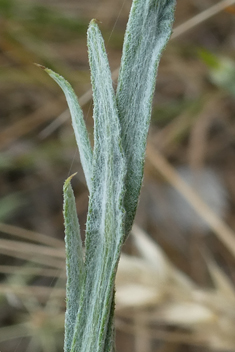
(175,284)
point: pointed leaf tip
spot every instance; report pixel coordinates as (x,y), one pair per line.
(94,21)
(78,123)
(40,66)
(68,180)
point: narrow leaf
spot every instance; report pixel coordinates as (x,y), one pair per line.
(148,30)
(109,345)
(74,263)
(105,223)
(78,123)
(221,281)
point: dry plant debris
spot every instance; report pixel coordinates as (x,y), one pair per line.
(193,126)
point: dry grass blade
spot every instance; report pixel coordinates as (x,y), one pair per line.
(155,300)
(32,291)
(142,340)
(201,17)
(187,314)
(222,231)
(138,284)
(33,249)
(179,30)
(153,281)
(151,333)
(13,332)
(221,282)
(146,281)
(31,235)
(11,269)
(24,255)
(30,122)
(205,313)
(154,255)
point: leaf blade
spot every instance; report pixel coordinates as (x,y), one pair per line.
(74,263)
(105,223)
(148,30)
(78,124)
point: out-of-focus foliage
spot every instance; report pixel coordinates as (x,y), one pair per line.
(221,70)
(40,21)
(193,127)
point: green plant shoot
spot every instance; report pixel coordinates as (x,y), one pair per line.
(113,170)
